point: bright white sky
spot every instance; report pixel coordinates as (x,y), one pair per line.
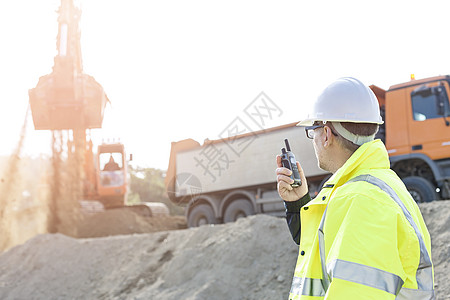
(186,69)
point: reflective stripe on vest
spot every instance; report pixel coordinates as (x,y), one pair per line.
(365,275)
(326,278)
(374,277)
(307,287)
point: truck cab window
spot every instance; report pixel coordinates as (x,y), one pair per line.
(426,103)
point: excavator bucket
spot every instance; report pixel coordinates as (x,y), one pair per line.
(56,105)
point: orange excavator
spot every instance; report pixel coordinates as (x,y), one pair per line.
(70,103)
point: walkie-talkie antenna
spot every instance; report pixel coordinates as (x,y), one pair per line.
(288,148)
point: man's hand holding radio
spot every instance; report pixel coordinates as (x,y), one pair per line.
(284,181)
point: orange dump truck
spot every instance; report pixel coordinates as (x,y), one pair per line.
(417,134)
(216,185)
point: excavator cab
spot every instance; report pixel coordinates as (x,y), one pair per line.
(112,174)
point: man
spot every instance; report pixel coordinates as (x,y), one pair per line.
(111,165)
(362,236)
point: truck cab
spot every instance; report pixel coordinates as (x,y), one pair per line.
(417,134)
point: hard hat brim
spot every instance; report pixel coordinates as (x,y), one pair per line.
(305,123)
(310,122)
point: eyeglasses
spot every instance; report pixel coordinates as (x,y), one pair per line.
(310,130)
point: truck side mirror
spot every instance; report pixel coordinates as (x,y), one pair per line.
(440,109)
(441,97)
(441,102)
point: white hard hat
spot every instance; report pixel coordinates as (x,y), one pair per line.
(345,100)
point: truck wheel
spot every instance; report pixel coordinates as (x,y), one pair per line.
(420,189)
(201,215)
(238,209)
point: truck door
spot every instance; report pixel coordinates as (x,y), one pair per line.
(429,130)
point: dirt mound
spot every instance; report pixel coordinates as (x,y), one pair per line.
(249,259)
(123,221)
(253,258)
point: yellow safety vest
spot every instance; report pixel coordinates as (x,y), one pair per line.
(363,236)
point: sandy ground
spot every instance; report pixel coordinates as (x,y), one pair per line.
(252,258)
(437,217)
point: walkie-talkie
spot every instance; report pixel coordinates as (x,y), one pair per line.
(288,161)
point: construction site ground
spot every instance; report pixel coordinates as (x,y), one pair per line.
(120,255)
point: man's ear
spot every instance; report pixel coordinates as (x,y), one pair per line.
(328,136)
